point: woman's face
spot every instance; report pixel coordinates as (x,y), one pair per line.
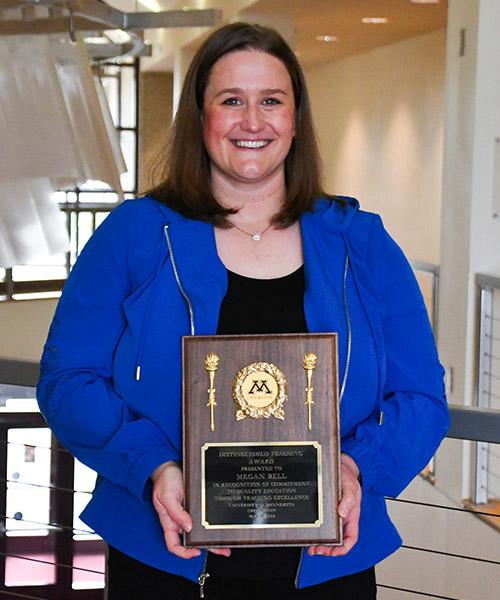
(248,117)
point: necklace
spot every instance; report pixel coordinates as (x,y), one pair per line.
(255,236)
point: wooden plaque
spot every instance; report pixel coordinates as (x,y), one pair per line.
(261,440)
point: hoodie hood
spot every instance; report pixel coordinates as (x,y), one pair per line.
(336,212)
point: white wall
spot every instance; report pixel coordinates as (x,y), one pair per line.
(470,233)
(379,118)
(24,327)
(380,122)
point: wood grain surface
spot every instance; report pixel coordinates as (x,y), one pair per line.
(285,351)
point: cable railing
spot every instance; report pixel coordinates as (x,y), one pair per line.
(487,460)
(75,213)
(479,424)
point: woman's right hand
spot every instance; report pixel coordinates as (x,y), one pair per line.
(168,498)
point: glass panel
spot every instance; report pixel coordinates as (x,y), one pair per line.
(17,398)
(99,218)
(128,99)
(89,555)
(84,482)
(84,229)
(73,238)
(494,473)
(28,475)
(35,568)
(111,89)
(61,197)
(55,268)
(71,196)
(127,139)
(105,197)
(486,484)
(89,547)
(118,81)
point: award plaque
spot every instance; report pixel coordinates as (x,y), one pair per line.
(261,440)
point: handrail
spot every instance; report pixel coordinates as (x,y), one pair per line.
(427,267)
(487,281)
(19,372)
(474,423)
(467,422)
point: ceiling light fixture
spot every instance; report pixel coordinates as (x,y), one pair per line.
(151,5)
(374,20)
(327,38)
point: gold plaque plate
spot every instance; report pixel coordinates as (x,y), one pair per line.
(253,502)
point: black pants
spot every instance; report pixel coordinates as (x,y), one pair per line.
(129,579)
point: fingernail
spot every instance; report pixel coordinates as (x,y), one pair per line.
(187,527)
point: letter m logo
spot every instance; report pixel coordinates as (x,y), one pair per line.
(259,386)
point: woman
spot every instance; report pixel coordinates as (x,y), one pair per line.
(240,215)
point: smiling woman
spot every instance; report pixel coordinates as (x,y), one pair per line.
(239,238)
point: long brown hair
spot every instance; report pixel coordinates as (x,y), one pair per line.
(183,168)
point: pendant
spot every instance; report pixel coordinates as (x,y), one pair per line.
(256,237)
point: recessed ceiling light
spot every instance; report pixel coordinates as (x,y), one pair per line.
(375,20)
(327,38)
(96,40)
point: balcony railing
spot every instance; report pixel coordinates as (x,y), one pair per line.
(486,490)
(73,561)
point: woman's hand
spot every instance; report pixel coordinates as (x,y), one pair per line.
(168,498)
(349,509)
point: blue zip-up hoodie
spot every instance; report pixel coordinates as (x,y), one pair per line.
(110,384)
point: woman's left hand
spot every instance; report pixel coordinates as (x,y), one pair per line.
(349,509)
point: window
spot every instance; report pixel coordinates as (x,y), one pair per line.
(84,208)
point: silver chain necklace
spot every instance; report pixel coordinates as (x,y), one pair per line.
(255,236)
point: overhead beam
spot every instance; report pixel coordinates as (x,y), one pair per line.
(92,15)
(103,51)
(173,18)
(45,26)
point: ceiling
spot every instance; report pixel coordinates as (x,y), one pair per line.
(342,18)
(301,21)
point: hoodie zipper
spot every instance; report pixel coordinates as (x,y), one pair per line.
(203,576)
(349,332)
(138,367)
(177,278)
(344,379)
(296,583)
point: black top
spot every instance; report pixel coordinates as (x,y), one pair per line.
(261,306)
